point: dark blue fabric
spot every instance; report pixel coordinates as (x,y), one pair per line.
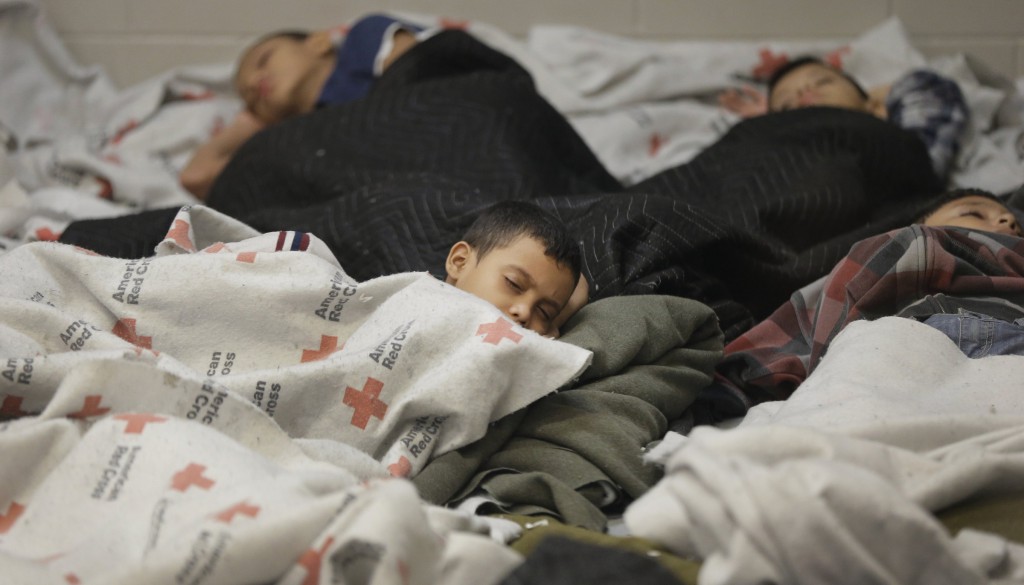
(934,108)
(353,70)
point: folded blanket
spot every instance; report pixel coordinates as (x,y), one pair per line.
(401,367)
(578,451)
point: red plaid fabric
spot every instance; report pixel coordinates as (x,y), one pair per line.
(880,276)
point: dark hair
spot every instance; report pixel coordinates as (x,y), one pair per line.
(799,62)
(293,34)
(503,223)
(953,195)
(290,34)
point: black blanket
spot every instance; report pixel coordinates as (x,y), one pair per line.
(391,181)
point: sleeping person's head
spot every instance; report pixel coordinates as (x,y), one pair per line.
(522,260)
(809,81)
(972,208)
(282,74)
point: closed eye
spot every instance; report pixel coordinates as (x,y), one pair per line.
(513,284)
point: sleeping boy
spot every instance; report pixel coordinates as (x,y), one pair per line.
(290,73)
(525,262)
(923,102)
(974,209)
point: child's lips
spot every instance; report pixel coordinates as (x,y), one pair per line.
(263,88)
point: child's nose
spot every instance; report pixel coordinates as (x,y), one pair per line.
(520,314)
(1009,220)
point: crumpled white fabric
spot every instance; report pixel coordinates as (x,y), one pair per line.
(128,493)
(836,484)
(236,409)
(402,367)
(644,106)
(75,130)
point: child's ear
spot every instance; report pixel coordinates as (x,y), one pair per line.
(459,258)
(319,43)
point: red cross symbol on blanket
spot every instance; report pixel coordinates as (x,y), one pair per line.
(192,475)
(400,469)
(8,519)
(835,58)
(90,408)
(654,145)
(328,345)
(45,234)
(11,408)
(125,329)
(365,402)
(403,570)
(769,63)
(311,560)
(244,508)
(454,24)
(495,332)
(137,422)
(179,233)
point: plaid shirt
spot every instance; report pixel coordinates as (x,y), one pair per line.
(881,276)
(933,107)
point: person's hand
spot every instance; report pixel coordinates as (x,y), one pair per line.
(241,128)
(212,156)
(745,101)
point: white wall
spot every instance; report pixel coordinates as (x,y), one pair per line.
(134,39)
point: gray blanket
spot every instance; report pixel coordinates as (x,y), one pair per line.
(652,355)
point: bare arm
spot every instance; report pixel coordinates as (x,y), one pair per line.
(211,157)
(402,42)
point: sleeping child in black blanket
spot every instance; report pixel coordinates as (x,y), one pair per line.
(290,73)
(922,101)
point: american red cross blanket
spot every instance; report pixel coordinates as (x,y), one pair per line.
(133,474)
(401,367)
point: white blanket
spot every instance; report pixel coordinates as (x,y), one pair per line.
(74,130)
(111,484)
(228,412)
(834,485)
(401,367)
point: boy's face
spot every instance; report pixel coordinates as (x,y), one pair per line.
(277,78)
(520,279)
(975,212)
(815,85)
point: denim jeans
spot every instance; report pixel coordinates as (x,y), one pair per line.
(980,335)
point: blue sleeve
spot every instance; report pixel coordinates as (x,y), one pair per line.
(353,69)
(933,107)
